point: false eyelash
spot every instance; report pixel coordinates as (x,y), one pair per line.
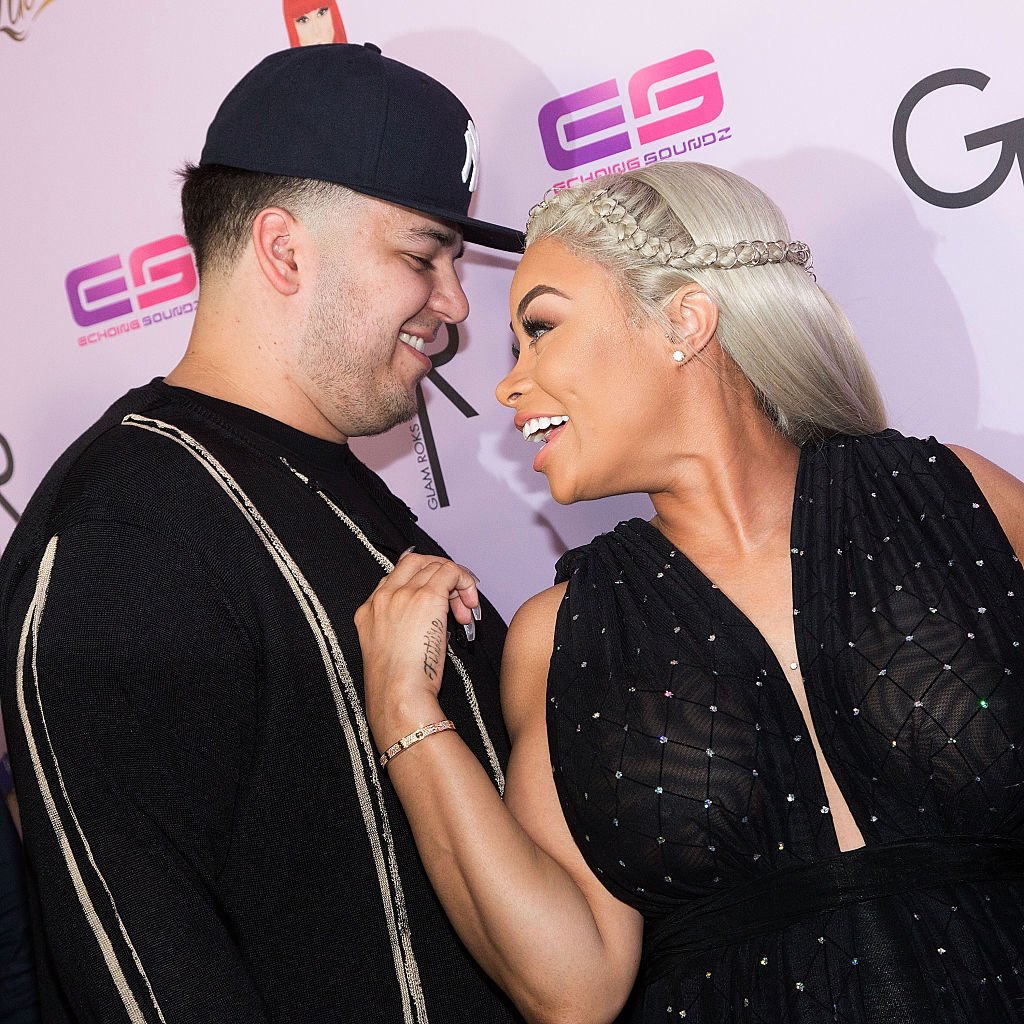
(531,327)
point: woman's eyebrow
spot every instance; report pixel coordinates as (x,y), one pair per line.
(540,289)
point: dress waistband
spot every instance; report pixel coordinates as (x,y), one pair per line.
(784,897)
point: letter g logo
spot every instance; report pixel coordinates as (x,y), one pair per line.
(1010,136)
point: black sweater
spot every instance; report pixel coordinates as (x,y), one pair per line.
(17,978)
(208,835)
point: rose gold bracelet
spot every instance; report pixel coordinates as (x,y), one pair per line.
(414,737)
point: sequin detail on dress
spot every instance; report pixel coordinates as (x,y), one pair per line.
(681,766)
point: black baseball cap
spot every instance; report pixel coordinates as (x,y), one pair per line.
(345,113)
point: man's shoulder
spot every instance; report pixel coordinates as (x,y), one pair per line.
(103,460)
(122,469)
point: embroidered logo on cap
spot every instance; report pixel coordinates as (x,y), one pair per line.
(472,164)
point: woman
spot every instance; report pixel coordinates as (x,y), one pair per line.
(787,743)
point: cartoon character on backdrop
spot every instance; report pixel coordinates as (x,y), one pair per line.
(309,24)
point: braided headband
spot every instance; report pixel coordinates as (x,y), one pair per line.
(680,255)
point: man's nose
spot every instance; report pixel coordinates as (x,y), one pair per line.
(449,300)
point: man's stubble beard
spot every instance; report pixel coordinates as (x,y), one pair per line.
(346,356)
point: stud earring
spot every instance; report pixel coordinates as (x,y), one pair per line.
(678,356)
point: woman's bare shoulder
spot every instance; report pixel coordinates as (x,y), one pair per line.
(538,613)
(524,665)
(1003,491)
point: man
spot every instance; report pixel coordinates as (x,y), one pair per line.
(210,835)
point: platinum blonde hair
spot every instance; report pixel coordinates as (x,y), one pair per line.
(661,227)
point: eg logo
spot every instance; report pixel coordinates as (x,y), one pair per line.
(157,272)
(1010,137)
(685,100)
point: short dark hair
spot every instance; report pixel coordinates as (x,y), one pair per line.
(219,204)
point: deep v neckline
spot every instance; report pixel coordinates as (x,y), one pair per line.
(683,562)
(698,575)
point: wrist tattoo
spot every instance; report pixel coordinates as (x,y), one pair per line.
(433,648)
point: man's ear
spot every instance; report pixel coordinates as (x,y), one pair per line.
(273,234)
(693,314)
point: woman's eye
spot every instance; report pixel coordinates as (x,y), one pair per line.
(535,329)
(302,19)
(323,11)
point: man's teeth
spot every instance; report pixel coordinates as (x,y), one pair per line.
(539,427)
(412,340)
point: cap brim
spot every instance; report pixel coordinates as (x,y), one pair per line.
(479,232)
(494,236)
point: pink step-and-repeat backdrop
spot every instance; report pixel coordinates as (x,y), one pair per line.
(891,134)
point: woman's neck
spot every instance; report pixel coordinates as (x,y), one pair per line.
(736,492)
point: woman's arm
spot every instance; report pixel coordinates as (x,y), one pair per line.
(509,874)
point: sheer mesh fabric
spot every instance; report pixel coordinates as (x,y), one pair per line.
(685,767)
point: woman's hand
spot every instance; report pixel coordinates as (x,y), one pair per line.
(403,636)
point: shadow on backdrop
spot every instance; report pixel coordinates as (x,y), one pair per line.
(879,262)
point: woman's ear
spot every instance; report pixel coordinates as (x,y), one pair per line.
(273,239)
(693,316)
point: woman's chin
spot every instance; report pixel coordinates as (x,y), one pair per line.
(561,492)
(566,492)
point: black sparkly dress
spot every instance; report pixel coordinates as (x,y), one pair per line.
(689,781)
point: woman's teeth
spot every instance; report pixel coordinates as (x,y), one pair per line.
(412,341)
(538,429)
